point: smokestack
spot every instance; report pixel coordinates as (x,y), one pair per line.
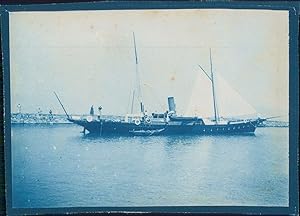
(172,105)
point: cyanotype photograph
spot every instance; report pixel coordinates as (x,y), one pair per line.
(149,108)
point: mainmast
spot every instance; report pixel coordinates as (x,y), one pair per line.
(211,78)
(213,90)
(138,84)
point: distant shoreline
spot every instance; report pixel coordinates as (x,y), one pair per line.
(50,119)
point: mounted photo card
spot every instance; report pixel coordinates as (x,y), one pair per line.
(151,107)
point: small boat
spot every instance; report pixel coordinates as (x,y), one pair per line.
(165,123)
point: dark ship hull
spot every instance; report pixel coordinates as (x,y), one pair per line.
(196,127)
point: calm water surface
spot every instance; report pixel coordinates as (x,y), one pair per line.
(57,166)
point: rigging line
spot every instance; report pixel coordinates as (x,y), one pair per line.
(128,104)
(216,98)
(205,73)
(133,94)
(62,105)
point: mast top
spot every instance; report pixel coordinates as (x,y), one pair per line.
(136,59)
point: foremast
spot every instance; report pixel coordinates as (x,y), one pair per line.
(137,91)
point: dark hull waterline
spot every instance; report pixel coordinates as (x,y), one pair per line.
(108,127)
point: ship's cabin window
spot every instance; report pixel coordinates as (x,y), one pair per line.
(158,115)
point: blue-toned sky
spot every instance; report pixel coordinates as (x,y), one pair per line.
(87,57)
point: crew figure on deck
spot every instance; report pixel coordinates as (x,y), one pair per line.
(92,110)
(99,110)
(19,108)
(50,115)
